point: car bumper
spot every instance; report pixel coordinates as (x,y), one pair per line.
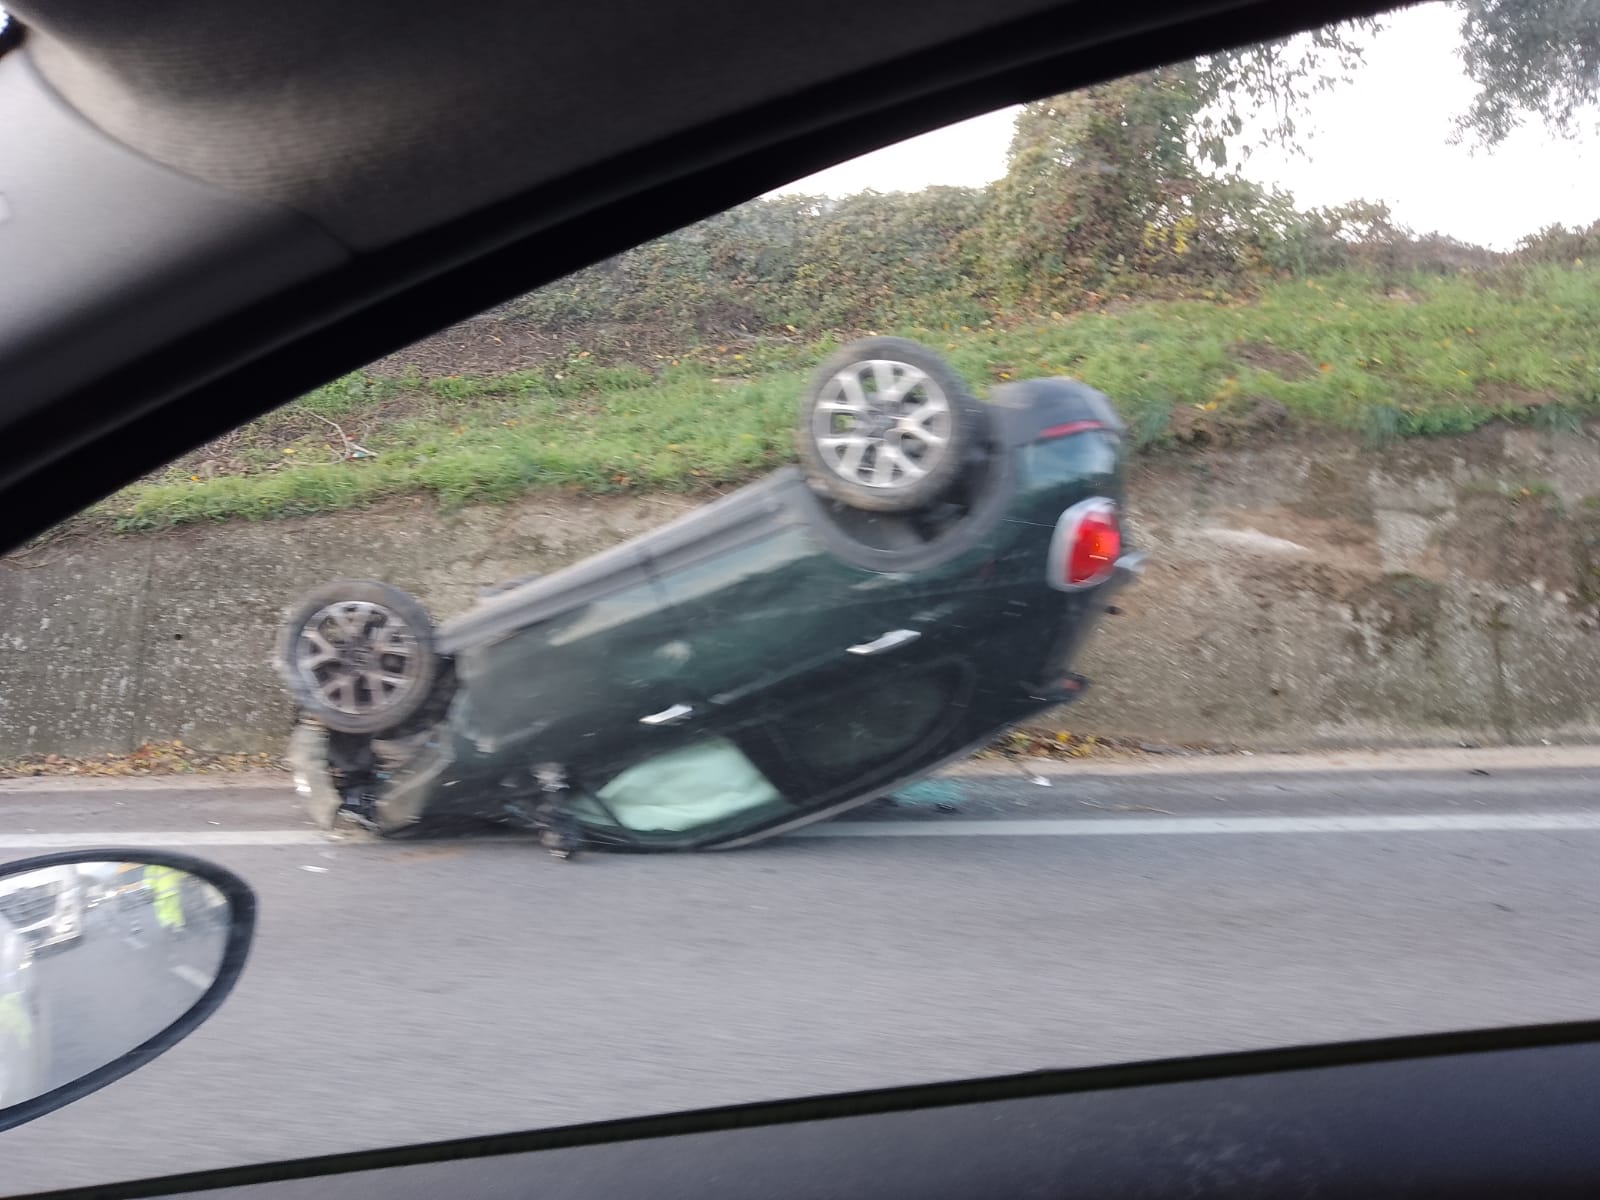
(1057,682)
(308,764)
(1128,569)
(390,806)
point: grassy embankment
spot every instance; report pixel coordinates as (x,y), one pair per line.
(1436,355)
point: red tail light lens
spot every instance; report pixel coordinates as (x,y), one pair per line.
(1067,430)
(1087,543)
(1094,550)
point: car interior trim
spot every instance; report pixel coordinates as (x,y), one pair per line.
(1325,1082)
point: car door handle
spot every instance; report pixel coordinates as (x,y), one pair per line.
(668,716)
(895,637)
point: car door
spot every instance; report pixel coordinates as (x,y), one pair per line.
(745,768)
(772,617)
(875,727)
(571,672)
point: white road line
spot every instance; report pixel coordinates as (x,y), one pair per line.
(1529,822)
(190,976)
(1121,827)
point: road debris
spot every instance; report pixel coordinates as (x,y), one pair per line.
(942,795)
(152,758)
(1065,744)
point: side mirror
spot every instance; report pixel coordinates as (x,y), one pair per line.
(107,959)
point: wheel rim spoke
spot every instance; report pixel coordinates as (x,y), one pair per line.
(887,437)
(336,691)
(855,399)
(358,657)
(393,641)
(901,386)
(882,467)
(908,466)
(381,683)
(924,435)
(884,463)
(854,452)
(351,619)
(320,652)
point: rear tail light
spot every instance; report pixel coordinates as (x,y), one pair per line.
(1087,543)
(1067,430)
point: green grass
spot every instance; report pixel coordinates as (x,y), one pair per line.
(1438,355)
(1442,355)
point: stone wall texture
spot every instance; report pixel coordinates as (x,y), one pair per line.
(1299,594)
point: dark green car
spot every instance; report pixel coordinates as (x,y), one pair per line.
(817,639)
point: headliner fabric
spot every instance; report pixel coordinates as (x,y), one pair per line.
(381,118)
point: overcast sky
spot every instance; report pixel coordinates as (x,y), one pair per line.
(1382,136)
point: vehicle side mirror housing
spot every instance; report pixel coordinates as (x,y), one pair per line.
(108,958)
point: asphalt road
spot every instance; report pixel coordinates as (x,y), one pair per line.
(121,984)
(401,992)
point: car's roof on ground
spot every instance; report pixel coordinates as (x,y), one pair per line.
(311,185)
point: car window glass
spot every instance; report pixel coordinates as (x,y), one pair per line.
(1093,456)
(836,737)
(1119,576)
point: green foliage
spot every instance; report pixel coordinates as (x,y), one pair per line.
(1348,351)
(1529,58)
(1099,184)
(1382,424)
(1557,417)
(1104,186)
(1119,191)
(1558,244)
(1103,195)
(794,263)
(352,392)
(685,433)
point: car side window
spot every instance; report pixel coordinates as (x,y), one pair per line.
(1093,457)
(837,737)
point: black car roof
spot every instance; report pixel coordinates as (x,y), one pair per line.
(206,209)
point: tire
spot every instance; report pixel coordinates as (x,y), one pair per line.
(881,455)
(359,656)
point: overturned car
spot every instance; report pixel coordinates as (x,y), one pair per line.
(817,639)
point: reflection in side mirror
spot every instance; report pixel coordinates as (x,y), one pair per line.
(106,960)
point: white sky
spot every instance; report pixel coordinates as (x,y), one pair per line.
(1380,136)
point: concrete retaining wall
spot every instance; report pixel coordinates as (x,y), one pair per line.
(1299,595)
(1325,596)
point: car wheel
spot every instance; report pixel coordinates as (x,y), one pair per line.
(359,656)
(887,426)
